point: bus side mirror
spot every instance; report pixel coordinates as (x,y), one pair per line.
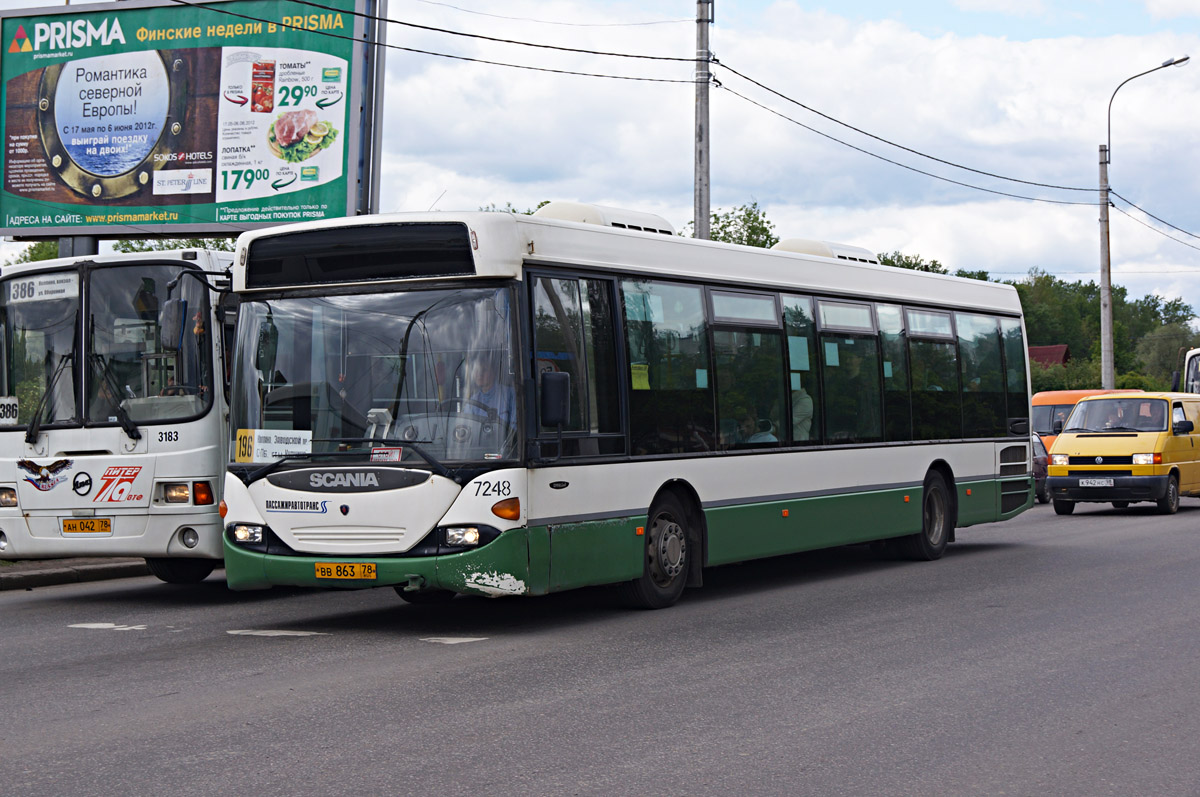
(170,324)
(1058,427)
(1182,427)
(556,398)
(1174,381)
(268,346)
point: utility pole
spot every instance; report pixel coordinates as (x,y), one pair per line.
(1108,377)
(705,14)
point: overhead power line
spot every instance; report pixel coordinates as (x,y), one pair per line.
(1155,229)
(797,103)
(897,163)
(565,24)
(227,12)
(1151,215)
(448,32)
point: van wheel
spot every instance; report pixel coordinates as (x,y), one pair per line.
(1063,507)
(936,524)
(1169,503)
(181,571)
(665,570)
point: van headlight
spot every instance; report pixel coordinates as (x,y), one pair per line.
(1060,459)
(1147,459)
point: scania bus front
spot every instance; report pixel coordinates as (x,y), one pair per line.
(110,436)
(375,414)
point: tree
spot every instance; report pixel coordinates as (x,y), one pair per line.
(1159,350)
(39,250)
(898,259)
(510,208)
(142,245)
(747,225)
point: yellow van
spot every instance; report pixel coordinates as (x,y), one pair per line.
(1122,448)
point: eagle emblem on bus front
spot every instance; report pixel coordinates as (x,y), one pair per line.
(46,477)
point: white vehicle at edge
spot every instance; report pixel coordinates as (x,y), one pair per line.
(112,429)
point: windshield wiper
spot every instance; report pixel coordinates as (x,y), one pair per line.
(35,422)
(101,367)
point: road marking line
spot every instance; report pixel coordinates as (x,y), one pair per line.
(274,632)
(453,640)
(108,627)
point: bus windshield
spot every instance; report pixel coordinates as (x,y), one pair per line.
(39,315)
(403,376)
(129,368)
(1118,415)
(125,371)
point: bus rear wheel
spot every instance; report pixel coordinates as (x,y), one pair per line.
(665,569)
(181,571)
(936,522)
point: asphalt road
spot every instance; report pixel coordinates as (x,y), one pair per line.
(1046,655)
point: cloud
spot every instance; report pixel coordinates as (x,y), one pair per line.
(1172,9)
(1021,8)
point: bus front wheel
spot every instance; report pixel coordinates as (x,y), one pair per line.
(665,569)
(936,522)
(181,571)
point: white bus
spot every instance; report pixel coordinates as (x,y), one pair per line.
(111,434)
(1191,373)
(496,404)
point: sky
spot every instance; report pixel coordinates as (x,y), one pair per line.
(1013,88)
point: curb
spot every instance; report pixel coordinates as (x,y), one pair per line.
(51,576)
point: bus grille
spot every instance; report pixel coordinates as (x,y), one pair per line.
(349,536)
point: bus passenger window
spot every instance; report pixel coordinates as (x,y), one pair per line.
(852,390)
(671,399)
(803,386)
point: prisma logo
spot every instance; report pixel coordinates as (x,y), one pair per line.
(63,35)
(116,484)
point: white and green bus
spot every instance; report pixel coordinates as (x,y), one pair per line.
(112,430)
(497,404)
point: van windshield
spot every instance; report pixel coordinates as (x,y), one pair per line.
(1118,415)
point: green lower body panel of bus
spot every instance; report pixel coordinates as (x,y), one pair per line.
(542,559)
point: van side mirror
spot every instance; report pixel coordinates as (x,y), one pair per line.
(1058,426)
(170,324)
(556,398)
(1182,427)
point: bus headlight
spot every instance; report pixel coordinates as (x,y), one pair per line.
(176,493)
(1060,459)
(1147,459)
(8,497)
(203,492)
(246,534)
(462,535)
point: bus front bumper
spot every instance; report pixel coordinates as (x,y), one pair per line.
(499,568)
(1123,488)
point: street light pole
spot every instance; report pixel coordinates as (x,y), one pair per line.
(1107,370)
(705,14)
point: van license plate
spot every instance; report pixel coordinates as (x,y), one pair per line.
(1095,482)
(348,570)
(87,525)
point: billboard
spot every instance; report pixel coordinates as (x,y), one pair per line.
(144,118)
